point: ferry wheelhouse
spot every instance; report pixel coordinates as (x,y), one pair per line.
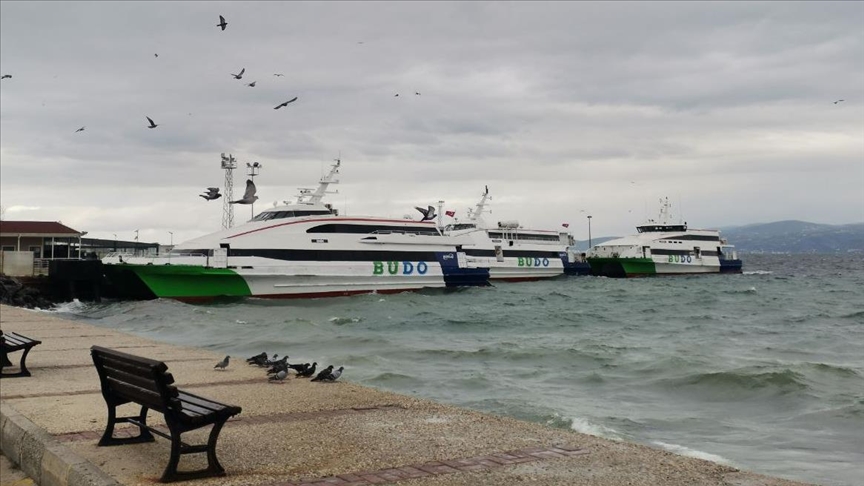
(662,247)
(303,249)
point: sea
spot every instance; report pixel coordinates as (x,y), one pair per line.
(762,371)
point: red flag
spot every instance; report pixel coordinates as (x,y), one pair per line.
(450,213)
(566,225)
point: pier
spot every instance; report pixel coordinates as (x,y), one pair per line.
(300,432)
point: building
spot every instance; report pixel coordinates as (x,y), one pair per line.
(27,247)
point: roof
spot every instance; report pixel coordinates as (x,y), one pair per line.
(10,228)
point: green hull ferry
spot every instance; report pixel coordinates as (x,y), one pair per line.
(176,281)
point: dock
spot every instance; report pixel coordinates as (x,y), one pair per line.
(299,432)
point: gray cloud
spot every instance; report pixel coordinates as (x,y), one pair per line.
(559,107)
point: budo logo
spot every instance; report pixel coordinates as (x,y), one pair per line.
(408,268)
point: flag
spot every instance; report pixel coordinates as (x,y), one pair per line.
(450,213)
(566,225)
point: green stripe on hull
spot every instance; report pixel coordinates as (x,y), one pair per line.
(190,281)
(622,267)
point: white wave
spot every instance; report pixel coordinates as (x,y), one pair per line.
(686,451)
(757,272)
(585,427)
(238,321)
(66,307)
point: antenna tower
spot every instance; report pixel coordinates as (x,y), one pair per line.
(229,163)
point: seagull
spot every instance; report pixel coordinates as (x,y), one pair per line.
(416,93)
(838,101)
(333,376)
(222,364)
(278,75)
(428,214)
(292,100)
(397,94)
(249,197)
(326,372)
(222,23)
(252,84)
(240,75)
(6,76)
(80,129)
(155,55)
(308,371)
(280,377)
(152,125)
(211,194)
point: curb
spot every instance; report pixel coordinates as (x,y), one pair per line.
(43,458)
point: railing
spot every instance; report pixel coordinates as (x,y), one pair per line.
(40,266)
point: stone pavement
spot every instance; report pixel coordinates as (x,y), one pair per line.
(299,432)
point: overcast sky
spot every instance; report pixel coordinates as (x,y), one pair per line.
(562,109)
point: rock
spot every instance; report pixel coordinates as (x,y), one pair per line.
(13,292)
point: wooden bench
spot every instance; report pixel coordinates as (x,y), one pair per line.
(126,378)
(9,343)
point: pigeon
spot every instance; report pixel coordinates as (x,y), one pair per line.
(252,84)
(222,23)
(6,76)
(279,75)
(428,214)
(211,194)
(249,196)
(222,364)
(292,100)
(326,372)
(838,101)
(308,371)
(280,377)
(333,376)
(299,368)
(257,358)
(239,75)
(152,125)
(80,129)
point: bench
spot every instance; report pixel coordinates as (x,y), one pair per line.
(9,343)
(126,378)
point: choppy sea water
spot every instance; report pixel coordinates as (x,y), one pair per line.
(763,371)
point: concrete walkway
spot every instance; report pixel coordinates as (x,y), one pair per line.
(299,432)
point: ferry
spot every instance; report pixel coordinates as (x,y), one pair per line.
(302,249)
(513,253)
(664,248)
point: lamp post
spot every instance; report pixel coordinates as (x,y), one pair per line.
(589,232)
(171,244)
(254,168)
(115,241)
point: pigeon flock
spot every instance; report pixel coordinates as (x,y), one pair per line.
(278,369)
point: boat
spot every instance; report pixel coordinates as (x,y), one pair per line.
(664,248)
(514,253)
(301,249)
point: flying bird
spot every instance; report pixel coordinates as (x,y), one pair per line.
(397,94)
(252,84)
(428,214)
(292,100)
(6,76)
(152,125)
(324,373)
(416,93)
(222,364)
(278,75)
(838,101)
(222,23)
(239,75)
(155,55)
(80,129)
(211,194)
(249,197)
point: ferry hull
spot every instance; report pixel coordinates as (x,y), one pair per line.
(642,267)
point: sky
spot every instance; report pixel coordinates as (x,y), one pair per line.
(563,109)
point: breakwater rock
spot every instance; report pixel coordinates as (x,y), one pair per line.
(14,292)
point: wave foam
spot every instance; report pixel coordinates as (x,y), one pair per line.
(585,427)
(757,272)
(686,451)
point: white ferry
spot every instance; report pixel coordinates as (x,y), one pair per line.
(662,247)
(513,253)
(304,249)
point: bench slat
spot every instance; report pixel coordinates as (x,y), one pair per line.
(145,382)
(202,402)
(136,394)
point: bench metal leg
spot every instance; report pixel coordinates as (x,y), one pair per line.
(140,420)
(178,448)
(4,362)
